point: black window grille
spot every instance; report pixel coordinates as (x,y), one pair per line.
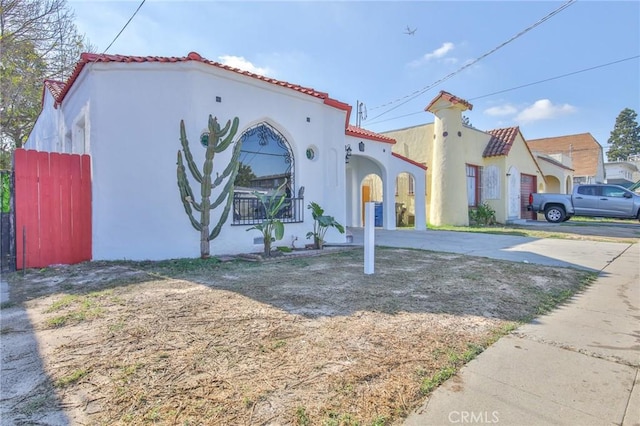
(248,210)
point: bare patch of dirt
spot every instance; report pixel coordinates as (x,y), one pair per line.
(298,340)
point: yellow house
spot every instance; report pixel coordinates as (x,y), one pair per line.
(467,167)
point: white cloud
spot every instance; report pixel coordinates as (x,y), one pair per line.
(543,109)
(243,64)
(501,110)
(439,53)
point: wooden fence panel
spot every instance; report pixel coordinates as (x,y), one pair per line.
(85,207)
(45,189)
(65,209)
(53,208)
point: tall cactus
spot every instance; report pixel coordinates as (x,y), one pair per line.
(218,143)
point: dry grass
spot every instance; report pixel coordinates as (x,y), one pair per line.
(300,341)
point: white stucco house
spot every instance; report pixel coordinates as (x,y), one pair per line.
(621,173)
(125,112)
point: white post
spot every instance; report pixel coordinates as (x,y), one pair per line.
(369,237)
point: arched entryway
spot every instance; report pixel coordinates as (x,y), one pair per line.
(405,199)
(371,190)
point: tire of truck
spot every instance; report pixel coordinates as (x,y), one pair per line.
(554,214)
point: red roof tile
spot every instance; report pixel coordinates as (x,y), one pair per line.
(55,87)
(448,97)
(368,134)
(501,141)
(409,160)
(86,58)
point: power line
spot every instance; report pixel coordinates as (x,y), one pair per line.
(555,78)
(417,93)
(125,26)
(524,85)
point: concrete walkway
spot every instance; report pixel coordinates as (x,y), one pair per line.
(578,365)
(591,255)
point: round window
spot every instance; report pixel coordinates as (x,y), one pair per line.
(311,154)
(204,139)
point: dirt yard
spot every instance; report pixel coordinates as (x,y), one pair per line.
(293,341)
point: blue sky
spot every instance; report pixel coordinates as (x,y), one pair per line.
(358,51)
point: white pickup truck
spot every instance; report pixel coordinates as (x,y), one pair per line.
(597,200)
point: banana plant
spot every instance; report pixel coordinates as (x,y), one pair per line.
(321,224)
(271,227)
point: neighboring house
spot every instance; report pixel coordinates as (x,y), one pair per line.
(125,112)
(621,173)
(467,167)
(635,160)
(557,171)
(586,154)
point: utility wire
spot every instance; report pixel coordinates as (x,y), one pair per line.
(417,93)
(125,26)
(523,85)
(555,78)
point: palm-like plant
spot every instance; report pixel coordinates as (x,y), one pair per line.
(321,224)
(271,227)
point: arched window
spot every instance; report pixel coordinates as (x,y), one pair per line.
(266,163)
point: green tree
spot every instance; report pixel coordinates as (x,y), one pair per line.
(245,175)
(21,77)
(38,41)
(625,137)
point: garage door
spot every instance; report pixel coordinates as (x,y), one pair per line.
(527,186)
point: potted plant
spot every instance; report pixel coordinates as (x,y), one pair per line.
(321,223)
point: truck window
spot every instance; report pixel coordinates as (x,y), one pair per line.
(612,191)
(587,190)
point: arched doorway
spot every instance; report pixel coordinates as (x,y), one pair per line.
(405,199)
(553,184)
(372,191)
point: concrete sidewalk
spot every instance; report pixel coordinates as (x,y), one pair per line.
(576,366)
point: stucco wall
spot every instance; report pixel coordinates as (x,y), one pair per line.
(55,126)
(377,159)
(134,120)
(45,133)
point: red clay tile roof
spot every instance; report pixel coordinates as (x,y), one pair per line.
(55,87)
(583,149)
(368,134)
(501,141)
(409,160)
(86,58)
(448,97)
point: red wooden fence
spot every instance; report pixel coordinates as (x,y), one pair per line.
(53,208)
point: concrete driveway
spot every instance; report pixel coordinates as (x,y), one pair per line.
(590,255)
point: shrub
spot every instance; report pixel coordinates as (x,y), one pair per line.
(483,215)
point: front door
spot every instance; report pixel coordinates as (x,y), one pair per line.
(366,197)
